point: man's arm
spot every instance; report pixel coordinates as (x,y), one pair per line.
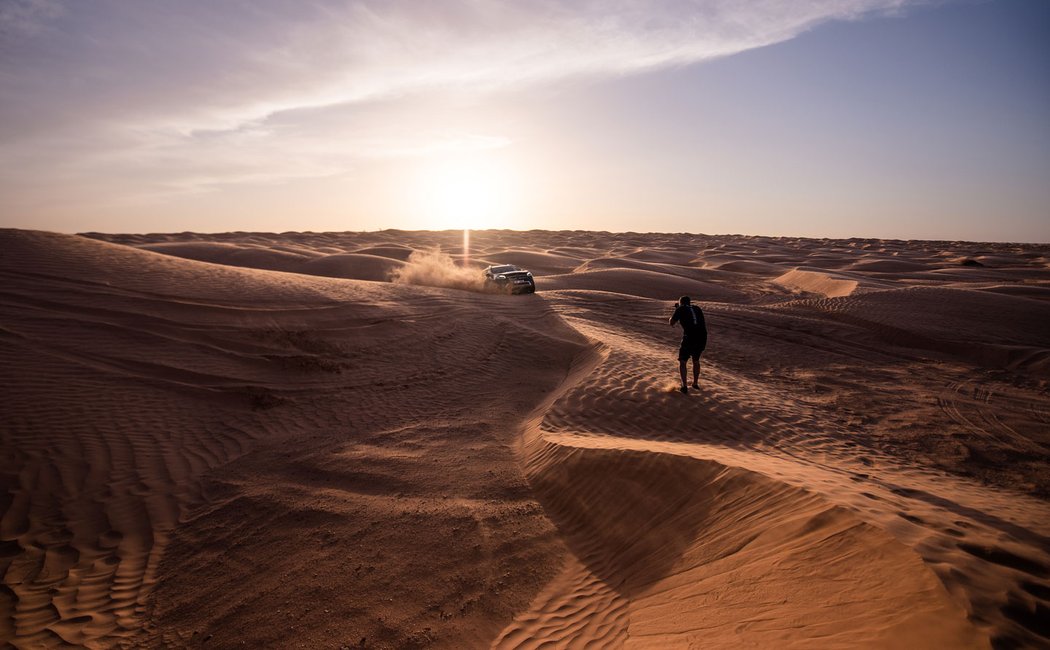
(674,317)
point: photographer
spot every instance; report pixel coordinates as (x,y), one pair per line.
(694,338)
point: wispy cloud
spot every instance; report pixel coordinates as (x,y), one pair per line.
(26,17)
(200,93)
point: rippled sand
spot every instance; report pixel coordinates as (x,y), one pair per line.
(259,440)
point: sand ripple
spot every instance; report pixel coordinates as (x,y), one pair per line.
(256,439)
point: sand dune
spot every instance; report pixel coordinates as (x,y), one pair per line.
(258,440)
(648,284)
(395,252)
(889,266)
(233,255)
(830,285)
(992,330)
(540,263)
(352,266)
(682,552)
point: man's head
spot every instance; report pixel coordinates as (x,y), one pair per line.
(683,301)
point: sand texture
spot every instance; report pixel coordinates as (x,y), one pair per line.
(334,440)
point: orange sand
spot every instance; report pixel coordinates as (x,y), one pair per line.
(257,440)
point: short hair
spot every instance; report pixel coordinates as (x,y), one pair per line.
(684,300)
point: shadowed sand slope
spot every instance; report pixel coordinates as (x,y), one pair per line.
(677,552)
(340,440)
(369,485)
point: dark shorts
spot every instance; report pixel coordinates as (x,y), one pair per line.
(692,347)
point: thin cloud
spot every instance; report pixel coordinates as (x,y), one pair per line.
(20,18)
(260,90)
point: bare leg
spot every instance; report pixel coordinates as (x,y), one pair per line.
(696,372)
(681,369)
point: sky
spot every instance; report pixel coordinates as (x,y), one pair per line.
(848,118)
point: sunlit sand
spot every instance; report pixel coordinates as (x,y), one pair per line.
(341,440)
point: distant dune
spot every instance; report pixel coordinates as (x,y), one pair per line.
(343,440)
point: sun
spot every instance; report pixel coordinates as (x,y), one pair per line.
(467,194)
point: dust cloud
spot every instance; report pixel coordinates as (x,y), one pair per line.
(433,268)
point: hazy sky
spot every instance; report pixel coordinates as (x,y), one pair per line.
(883,118)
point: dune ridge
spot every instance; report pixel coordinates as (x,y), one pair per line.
(257,438)
(727,436)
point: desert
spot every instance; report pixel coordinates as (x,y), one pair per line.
(387,324)
(340,439)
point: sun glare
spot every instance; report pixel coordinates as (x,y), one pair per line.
(473,195)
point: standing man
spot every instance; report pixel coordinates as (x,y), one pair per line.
(694,338)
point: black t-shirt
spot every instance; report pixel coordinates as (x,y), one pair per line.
(691,318)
